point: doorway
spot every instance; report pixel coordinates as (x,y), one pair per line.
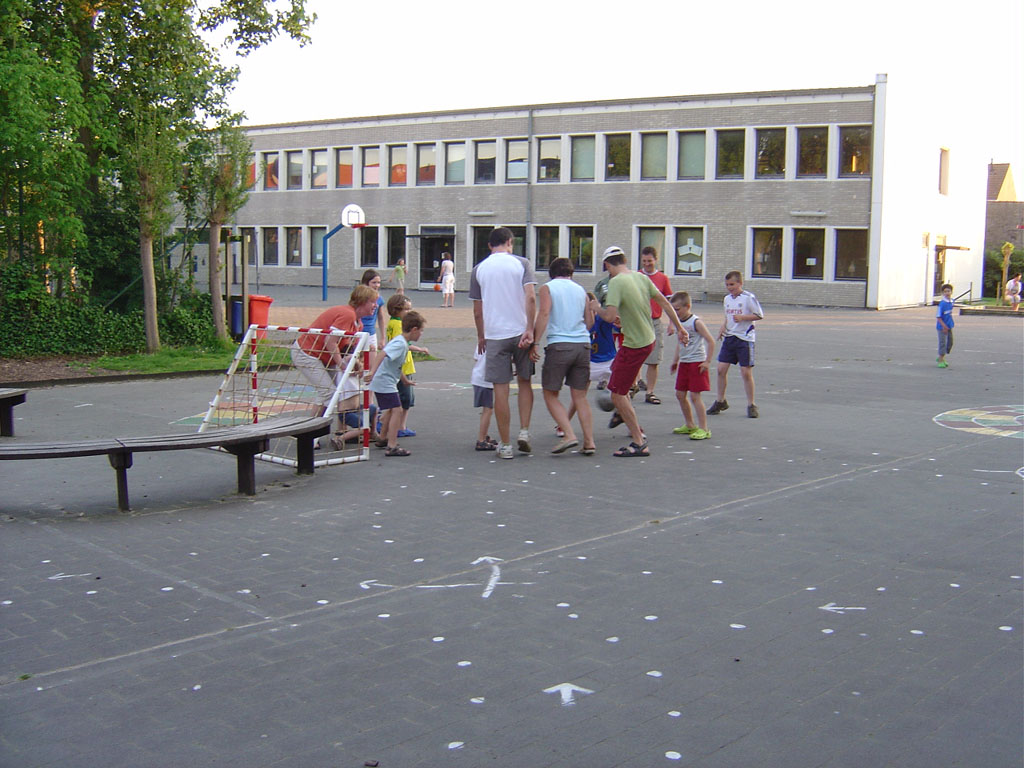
(939,277)
(431,248)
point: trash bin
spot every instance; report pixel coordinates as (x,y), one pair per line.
(259,311)
(235,314)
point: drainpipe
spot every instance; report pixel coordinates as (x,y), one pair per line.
(529,176)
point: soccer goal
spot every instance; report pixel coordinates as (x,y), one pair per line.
(263,382)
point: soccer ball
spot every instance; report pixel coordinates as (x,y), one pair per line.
(604,401)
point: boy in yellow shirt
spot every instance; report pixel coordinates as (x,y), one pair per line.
(397,306)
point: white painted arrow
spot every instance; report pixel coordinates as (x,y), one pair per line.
(568,692)
(62,575)
(833,608)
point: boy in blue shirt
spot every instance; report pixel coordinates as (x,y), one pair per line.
(384,378)
(944,325)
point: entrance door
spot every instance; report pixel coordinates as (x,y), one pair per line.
(940,264)
(431,248)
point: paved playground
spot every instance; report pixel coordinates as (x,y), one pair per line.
(837,583)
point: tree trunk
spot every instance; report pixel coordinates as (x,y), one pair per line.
(149,290)
(216,300)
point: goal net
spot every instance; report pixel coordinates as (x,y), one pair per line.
(263,381)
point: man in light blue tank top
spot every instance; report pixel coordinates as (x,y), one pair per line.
(566,315)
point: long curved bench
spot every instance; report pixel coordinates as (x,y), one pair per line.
(244,441)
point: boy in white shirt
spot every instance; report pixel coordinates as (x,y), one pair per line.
(737,334)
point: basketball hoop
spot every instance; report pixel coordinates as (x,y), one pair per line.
(352,216)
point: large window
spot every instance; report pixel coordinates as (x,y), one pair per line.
(730,154)
(581,248)
(396,245)
(517,160)
(368,248)
(250,174)
(549,160)
(767,252)
(518,240)
(812,151)
(689,251)
(294,160)
(653,237)
(851,254)
(249,244)
(455,163)
(691,155)
(316,246)
(270,247)
(371,166)
(809,254)
(547,246)
(481,248)
(270,170)
(293,246)
(426,164)
(654,156)
(771,153)
(583,148)
(855,150)
(398,165)
(486,157)
(616,157)
(343,158)
(318,169)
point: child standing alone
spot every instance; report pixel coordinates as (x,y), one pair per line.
(944,325)
(737,334)
(692,363)
(384,378)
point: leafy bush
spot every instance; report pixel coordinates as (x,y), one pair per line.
(40,325)
(993,280)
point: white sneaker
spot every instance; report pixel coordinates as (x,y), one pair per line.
(524,441)
(505,451)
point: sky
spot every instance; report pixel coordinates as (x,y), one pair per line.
(401,56)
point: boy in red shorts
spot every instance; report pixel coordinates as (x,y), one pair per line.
(693,359)
(629,305)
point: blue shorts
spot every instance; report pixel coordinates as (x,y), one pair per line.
(388,400)
(354,419)
(406,395)
(736,351)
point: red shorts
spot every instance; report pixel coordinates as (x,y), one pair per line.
(690,378)
(626,366)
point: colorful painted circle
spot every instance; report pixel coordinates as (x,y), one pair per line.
(997,420)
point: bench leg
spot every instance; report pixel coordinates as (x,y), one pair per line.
(245,458)
(305,451)
(7,415)
(121,461)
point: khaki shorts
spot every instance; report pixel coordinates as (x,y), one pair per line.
(567,362)
(659,343)
(502,354)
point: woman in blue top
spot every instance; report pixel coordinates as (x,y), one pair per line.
(375,322)
(565,315)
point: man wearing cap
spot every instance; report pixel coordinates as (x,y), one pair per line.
(501,288)
(629,304)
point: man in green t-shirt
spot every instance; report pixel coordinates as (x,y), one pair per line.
(628,304)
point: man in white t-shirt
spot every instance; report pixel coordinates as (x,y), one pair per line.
(504,305)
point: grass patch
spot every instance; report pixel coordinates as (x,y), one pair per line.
(421,357)
(168,360)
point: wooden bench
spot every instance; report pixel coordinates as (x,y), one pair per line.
(8,399)
(244,441)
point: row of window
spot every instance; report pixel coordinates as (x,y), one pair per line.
(795,253)
(684,158)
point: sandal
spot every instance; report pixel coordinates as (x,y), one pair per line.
(652,398)
(486,445)
(632,450)
(565,445)
(588,451)
(616,420)
(397,451)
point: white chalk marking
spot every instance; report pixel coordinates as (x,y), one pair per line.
(568,692)
(82,405)
(456,744)
(916,632)
(654,673)
(62,575)
(465,663)
(438,639)
(495,573)
(447,493)
(833,608)
(671,755)
(827,631)
(322,602)
(652,617)
(738,626)
(1006,628)
(611,639)
(166,589)
(563,605)
(478,699)
(674,713)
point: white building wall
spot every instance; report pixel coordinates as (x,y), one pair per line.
(915,216)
